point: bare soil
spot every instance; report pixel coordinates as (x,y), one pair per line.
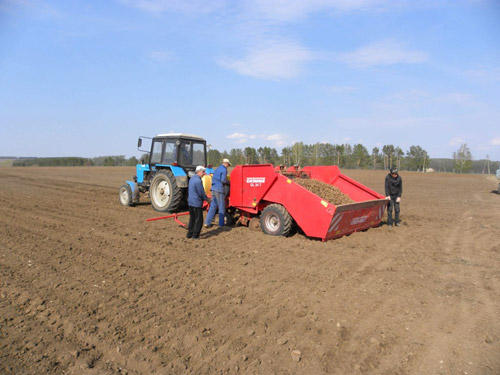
(89,287)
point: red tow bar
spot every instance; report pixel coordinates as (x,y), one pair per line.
(176,215)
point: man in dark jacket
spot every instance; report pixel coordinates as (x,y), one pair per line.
(196,196)
(393,191)
(219,183)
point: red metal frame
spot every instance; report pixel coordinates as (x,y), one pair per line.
(176,215)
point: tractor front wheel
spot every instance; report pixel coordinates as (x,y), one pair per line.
(165,194)
(276,221)
(125,196)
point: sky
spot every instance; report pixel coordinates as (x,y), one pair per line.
(87,78)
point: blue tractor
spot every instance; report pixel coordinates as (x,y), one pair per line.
(172,161)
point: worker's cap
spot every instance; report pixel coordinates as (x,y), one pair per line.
(199,168)
(226,161)
(394,170)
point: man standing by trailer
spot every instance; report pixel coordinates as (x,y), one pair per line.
(393,191)
(219,183)
(196,196)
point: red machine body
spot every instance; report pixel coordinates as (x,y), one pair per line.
(253,187)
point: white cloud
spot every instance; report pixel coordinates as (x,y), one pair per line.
(161,56)
(386,52)
(484,74)
(270,10)
(287,10)
(39,7)
(495,141)
(459,98)
(278,139)
(239,137)
(180,6)
(341,89)
(456,141)
(236,136)
(273,60)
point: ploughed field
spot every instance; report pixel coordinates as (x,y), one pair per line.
(89,287)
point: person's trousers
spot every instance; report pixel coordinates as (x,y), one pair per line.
(393,206)
(195,222)
(218,203)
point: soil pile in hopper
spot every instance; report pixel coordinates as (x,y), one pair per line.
(328,192)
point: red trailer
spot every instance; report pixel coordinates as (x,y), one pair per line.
(271,196)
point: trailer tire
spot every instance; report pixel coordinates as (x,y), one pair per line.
(165,194)
(126,196)
(276,221)
(254,224)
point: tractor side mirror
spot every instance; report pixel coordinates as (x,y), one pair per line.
(139,142)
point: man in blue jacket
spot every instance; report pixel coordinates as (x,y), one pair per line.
(196,196)
(393,191)
(219,183)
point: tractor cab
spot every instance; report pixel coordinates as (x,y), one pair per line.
(182,150)
(172,160)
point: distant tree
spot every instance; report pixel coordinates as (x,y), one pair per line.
(132,161)
(267,155)
(375,156)
(339,150)
(348,158)
(144,158)
(236,156)
(286,156)
(463,158)
(416,157)
(326,154)
(486,163)
(399,154)
(250,155)
(213,157)
(388,151)
(360,155)
(297,153)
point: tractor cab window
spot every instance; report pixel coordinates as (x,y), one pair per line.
(198,154)
(185,153)
(170,150)
(156,152)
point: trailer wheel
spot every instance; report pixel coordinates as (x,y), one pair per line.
(165,194)
(275,220)
(126,195)
(254,224)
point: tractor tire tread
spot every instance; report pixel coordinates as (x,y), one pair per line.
(129,201)
(176,198)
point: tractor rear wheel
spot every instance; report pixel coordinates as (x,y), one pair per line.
(165,194)
(126,198)
(276,221)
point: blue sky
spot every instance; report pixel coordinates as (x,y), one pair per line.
(86,78)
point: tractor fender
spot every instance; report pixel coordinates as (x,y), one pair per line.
(135,190)
(180,175)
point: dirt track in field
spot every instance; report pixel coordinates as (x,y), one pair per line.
(89,287)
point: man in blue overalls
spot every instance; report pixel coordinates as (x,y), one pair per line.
(196,196)
(219,182)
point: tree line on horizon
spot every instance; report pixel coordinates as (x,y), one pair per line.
(343,155)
